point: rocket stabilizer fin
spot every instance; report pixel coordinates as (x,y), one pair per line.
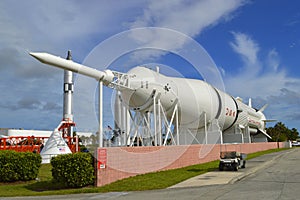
(250,102)
(269,120)
(263,132)
(263,108)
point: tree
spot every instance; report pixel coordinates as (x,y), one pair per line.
(281,133)
(94,139)
(293,134)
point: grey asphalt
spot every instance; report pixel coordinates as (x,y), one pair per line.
(272,176)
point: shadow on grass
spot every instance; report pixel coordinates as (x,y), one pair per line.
(49,185)
(202,170)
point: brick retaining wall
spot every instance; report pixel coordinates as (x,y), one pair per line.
(122,162)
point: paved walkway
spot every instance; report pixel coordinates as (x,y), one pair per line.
(225,177)
(210,178)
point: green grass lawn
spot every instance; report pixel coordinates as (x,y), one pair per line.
(157,180)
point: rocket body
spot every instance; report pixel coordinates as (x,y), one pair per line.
(68,89)
(68,95)
(195,98)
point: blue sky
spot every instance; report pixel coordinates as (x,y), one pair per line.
(254,44)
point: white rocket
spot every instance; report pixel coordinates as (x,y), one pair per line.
(194,97)
(68,93)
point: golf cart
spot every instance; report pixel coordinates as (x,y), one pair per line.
(232,160)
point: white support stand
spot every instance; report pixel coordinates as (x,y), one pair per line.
(159,126)
(149,127)
(155,120)
(100,107)
(247,135)
(205,128)
(221,139)
(177,125)
(213,133)
(169,124)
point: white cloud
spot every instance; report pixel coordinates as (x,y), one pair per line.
(53,26)
(264,80)
(56,26)
(273,60)
(253,73)
(188,17)
(246,47)
(180,14)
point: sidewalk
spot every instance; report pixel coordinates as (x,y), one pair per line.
(225,177)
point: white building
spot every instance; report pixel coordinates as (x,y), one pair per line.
(36,133)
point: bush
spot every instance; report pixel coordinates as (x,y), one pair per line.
(73,170)
(19,166)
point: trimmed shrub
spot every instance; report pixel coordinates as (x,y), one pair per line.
(19,166)
(73,170)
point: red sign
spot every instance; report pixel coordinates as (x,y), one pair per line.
(102,158)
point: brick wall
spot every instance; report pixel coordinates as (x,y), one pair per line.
(123,162)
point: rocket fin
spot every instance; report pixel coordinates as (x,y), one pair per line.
(263,132)
(250,103)
(269,120)
(263,108)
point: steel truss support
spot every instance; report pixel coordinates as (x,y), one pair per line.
(150,127)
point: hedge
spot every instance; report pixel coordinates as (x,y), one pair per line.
(19,166)
(73,170)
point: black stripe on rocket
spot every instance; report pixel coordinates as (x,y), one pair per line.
(220,104)
(236,116)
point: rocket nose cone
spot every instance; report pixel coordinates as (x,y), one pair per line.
(32,54)
(39,56)
(35,55)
